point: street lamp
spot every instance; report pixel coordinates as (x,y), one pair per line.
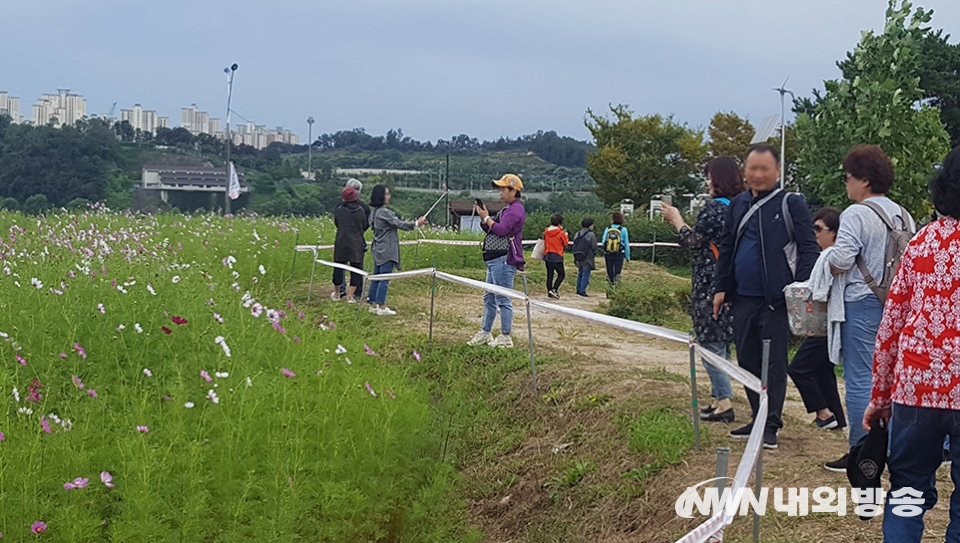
(310,148)
(226,189)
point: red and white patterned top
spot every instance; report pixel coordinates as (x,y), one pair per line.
(917,357)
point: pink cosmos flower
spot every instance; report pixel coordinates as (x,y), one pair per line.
(2,437)
(92,393)
(179,320)
(205,375)
(416,355)
(70,274)
(368,350)
(301,315)
(143,429)
(80,351)
(33,391)
(370,390)
(278,328)
(38,527)
(76,381)
(392,395)
(287,372)
(166,330)
(79,482)
(106,478)
(256,310)
(296,339)
(63,356)
(21,360)
(45,424)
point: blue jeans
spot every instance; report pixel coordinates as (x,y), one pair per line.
(916,451)
(583,278)
(501,274)
(858,337)
(720,387)
(378,289)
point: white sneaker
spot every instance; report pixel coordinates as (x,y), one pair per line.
(501,341)
(351,300)
(335,296)
(481,338)
(372,309)
(386,312)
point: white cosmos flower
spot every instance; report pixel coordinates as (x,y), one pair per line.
(147,372)
(341,349)
(263,271)
(176,279)
(150,288)
(188,405)
(136,326)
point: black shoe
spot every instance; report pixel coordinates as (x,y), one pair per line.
(742,433)
(837,466)
(723,416)
(828,424)
(583,295)
(770,440)
(707,410)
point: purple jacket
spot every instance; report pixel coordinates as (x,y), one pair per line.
(509,223)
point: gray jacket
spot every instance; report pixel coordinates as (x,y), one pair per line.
(386,242)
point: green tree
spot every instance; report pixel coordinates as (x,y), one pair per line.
(879,106)
(10,204)
(36,204)
(639,157)
(730,135)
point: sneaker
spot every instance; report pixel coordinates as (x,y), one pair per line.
(481,338)
(502,341)
(386,312)
(837,466)
(826,424)
(723,416)
(335,296)
(553,294)
(351,300)
(372,309)
(742,432)
(770,440)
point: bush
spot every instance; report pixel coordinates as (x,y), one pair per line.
(78,203)
(658,298)
(10,203)
(36,204)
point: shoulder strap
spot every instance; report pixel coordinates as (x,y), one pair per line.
(724,201)
(753,209)
(883,215)
(787,216)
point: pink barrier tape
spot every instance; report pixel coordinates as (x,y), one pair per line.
(350,269)
(400,275)
(502,291)
(746,378)
(646,329)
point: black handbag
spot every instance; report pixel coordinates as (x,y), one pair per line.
(493,243)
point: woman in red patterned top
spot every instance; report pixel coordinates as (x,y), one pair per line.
(916,368)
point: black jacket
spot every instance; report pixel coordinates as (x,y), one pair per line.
(773,263)
(352,220)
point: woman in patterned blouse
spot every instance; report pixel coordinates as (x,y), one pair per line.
(916,367)
(724,181)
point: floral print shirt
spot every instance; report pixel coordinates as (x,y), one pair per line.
(917,356)
(703,238)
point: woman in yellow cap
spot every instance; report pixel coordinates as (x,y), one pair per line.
(503,254)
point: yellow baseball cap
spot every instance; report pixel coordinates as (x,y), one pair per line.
(509,180)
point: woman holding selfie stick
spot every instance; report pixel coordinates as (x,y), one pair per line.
(503,255)
(385,247)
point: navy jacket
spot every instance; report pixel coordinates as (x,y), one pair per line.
(773,263)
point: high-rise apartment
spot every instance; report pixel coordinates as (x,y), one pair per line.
(10,106)
(59,109)
(144,120)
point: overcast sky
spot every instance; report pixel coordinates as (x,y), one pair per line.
(434,68)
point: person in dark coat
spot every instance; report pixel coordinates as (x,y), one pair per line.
(352,219)
(724,181)
(584,254)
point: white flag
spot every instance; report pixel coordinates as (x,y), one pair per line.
(234,190)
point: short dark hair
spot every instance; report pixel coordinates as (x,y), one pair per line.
(945,186)
(870,163)
(617,218)
(378,197)
(830,217)
(724,172)
(556,220)
(587,222)
(763,148)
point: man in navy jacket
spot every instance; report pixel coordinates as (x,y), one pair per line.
(752,271)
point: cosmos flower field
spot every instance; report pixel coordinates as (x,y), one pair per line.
(162,380)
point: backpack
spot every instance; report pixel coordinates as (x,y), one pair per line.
(713,246)
(897,239)
(614,241)
(581,247)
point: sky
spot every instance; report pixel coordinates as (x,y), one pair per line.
(435,68)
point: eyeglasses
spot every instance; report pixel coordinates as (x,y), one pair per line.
(817,228)
(846,177)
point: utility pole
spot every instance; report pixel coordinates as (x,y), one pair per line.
(783,131)
(226,188)
(447,177)
(310,148)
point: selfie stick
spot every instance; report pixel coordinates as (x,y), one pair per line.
(437,202)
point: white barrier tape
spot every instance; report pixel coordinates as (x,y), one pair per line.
(646,329)
(314,248)
(494,289)
(749,459)
(746,378)
(452,242)
(350,269)
(468,243)
(705,531)
(400,275)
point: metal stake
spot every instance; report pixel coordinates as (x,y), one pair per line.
(433,297)
(294,266)
(533,360)
(693,394)
(758,482)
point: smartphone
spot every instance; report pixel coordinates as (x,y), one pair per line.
(667,199)
(479,202)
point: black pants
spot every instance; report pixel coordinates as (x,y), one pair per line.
(555,268)
(356,280)
(754,320)
(614,266)
(812,372)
